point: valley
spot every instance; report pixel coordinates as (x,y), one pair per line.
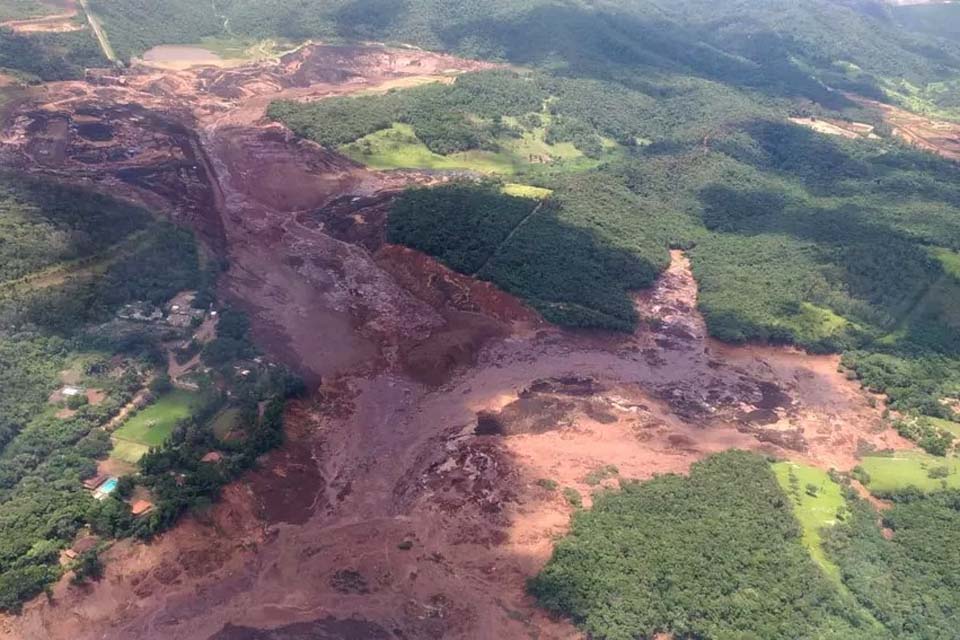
(551,319)
(428,475)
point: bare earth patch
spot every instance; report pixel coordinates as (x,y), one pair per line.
(937,136)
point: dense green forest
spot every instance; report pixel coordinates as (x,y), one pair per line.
(49,56)
(43,225)
(718,555)
(907,580)
(713,555)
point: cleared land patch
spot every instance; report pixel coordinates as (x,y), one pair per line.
(901,470)
(818,502)
(152,426)
(399,148)
(526,191)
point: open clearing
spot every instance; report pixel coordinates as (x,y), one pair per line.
(817,501)
(526,191)
(399,148)
(152,426)
(904,469)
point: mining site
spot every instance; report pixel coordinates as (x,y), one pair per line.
(407,501)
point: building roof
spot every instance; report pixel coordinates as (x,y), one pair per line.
(95,481)
(141,507)
(213,456)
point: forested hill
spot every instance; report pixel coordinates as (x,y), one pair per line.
(782,45)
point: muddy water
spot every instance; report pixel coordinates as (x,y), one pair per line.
(181,54)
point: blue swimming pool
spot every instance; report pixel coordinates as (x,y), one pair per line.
(108,486)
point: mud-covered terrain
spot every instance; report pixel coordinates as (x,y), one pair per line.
(937,136)
(406,502)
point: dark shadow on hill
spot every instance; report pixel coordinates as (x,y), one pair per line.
(368,19)
(619,47)
(571,274)
(831,166)
(325,629)
(884,267)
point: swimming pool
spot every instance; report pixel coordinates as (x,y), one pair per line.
(105,489)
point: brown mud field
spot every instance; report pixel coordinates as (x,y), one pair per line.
(405,502)
(937,136)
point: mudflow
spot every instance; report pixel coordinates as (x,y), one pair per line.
(405,502)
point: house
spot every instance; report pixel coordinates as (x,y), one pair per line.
(70,391)
(140,312)
(141,507)
(94,482)
(213,456)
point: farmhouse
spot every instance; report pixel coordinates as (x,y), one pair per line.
(141,507)
(95,481)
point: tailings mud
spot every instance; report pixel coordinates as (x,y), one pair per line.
(408,500)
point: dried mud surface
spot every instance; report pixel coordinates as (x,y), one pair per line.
(937,136)
(405,502)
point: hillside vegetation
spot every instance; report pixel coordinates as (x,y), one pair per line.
(717,554)
(66,328)
(49,56)
(781,47)
(720,554)
(907,580)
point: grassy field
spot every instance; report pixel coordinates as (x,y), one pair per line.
(949,260)
(903,469)
(814,323)
(225,422)
(813,511)
(526,191)
(152,426)
(128,451)
(399,148)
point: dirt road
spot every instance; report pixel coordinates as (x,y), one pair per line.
(937,136)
